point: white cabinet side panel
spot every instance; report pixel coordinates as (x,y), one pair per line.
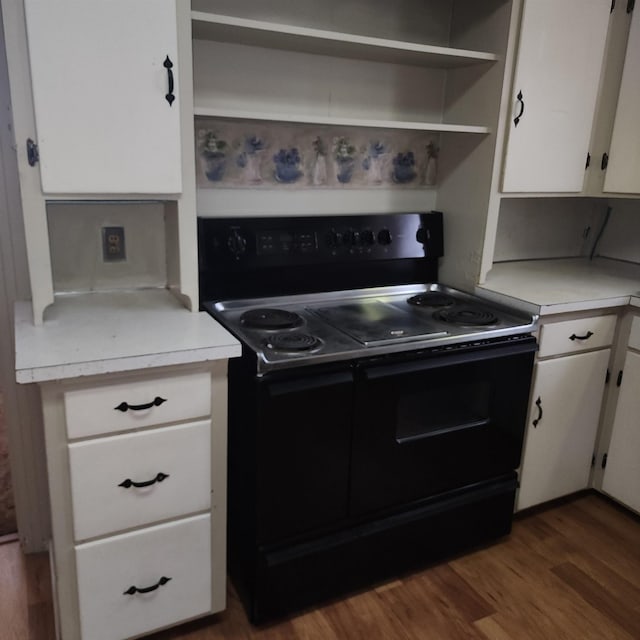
(623,171)
(622,475)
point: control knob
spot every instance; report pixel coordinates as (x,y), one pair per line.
(368,238)
(236,243)
(384,237)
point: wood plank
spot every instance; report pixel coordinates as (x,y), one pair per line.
(603,599)
(561,574)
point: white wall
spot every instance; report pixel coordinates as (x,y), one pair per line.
(539,228)
(621,237)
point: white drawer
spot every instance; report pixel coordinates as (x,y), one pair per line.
(140,403)
(99,467)
(571,336)
(634,337)
(107,569)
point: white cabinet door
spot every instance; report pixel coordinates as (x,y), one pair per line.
(623,171)
(622,475)
(103,122)
(555,87)
(563,421)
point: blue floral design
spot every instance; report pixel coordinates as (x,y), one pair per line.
(287,169)
(403,168)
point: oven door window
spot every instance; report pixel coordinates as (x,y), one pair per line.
(443,409)
(426,427)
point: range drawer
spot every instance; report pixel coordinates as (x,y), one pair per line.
(571,336)
(103,471)
(118,407)
(108,569)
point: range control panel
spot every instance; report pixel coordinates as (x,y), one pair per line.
(320,239)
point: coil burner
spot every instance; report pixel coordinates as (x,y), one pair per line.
(431,299)
(267,318)
(466,316)
(293,342)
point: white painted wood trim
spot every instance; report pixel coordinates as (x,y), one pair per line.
(337,121)
(33,204)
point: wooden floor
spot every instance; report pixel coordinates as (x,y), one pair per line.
(569,571)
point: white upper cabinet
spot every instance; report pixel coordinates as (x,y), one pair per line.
(554,93)
(623,171)
(100,81)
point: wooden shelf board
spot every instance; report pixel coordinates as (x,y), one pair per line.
(210,26)
(337,121)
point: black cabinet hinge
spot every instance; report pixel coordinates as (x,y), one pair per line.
(631,5)
(588,162)
(33,155)
(605,161)
(619,380)
(613,5)
(607,377)
(604,461)
(593,460)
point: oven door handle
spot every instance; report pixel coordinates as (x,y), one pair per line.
(305,384)
(449,360)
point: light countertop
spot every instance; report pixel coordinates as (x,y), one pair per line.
(97,333)
(563,285)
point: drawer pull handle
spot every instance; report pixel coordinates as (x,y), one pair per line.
(125,406)
(536,422)
(128,483)
(573,336)
(133,590)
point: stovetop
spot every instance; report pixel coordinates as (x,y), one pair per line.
(316,328)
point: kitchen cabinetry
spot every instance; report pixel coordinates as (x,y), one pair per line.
(106,112)
(554,92)
(137,475)
(621,479)
(94,101)
(564,413)
(372,64)
(623,170)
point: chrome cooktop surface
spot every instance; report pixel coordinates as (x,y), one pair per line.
(324,327)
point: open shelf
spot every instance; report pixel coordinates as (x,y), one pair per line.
(211,26)
(337,121)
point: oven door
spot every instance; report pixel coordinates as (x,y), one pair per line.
(445,421)
(303,443)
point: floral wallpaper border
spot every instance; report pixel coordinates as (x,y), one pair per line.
(250,154)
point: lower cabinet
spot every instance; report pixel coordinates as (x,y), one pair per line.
(137,467)
(565,405)
(621,478)
(563,421)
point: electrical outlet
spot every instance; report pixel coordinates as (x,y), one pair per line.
(113,249)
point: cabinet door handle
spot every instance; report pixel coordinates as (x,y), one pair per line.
(586,336)
(128,483)
(133,590)
(536,421)
(519,97)
(168,65)
(125,406)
